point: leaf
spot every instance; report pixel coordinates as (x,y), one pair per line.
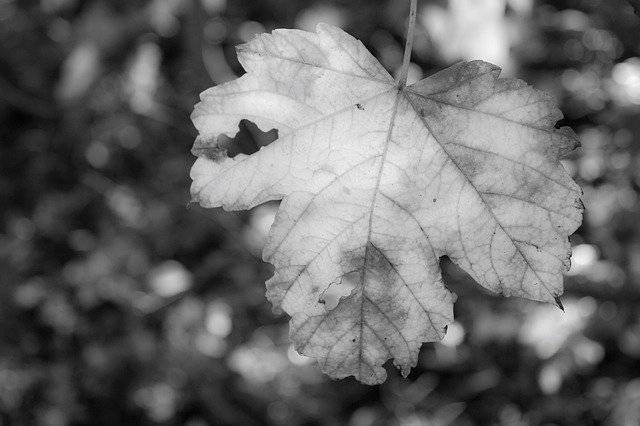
(378,182)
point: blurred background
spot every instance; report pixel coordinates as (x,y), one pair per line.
(119,305)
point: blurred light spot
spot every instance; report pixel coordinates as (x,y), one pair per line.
(595,138)
(471,29)
(170,278)
(216,64)
(629,342)
(258,361)
(587,306)
(23,228)
(627,197)
(574,49)
(587,352)
(214,6)
(309,18)
(51,416)
(414,74)
(597,39)
(30,294)
(59,30)
(159,400)
(163,16)
(484,380)
(522,7)
(97,154)
(573,20)
(217,29)
(626,411)
(608,310)
(487,327)
(196,422)
(79,71)
(586,86)
(144,74)
(620,160)
(81,240)
(511,415)
(58,313)
(601,202)
(298,359)
(455,335)
(550,379)
(546,328)
(53,6)
(627,76)
(634,262)
(262,218)
(129,136)
(279,412)
(184,322)
(365,416)
(14,383)
(623,137)
(388,50)
(445,414)
(570,79)
(582,257)
(126,205)
(210,345)
(603,387)
(248,29)
(592,166)
(96,357)
(218,321)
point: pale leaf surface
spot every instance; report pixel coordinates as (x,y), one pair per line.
(377,183)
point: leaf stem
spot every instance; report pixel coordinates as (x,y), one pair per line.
(408,47)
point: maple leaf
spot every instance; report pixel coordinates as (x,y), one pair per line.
(378,182)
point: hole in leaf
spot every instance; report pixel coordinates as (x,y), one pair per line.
(336,291)
(248,140)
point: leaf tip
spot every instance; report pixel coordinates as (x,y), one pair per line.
(559,303)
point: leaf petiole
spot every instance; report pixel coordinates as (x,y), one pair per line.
(408,47)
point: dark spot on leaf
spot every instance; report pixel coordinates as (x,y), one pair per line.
(321,301)
(470,164)
(377,265)
(353,340)
(360,107)
(434,200)
(207,147)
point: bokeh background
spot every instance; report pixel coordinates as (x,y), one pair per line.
(120,305)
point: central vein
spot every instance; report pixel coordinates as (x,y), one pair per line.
(376,190)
